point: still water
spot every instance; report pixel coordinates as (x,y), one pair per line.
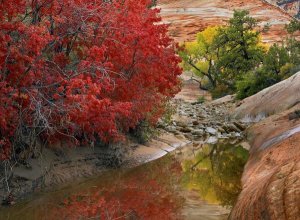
(196,182)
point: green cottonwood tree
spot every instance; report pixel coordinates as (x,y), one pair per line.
(200,56)
(242,50)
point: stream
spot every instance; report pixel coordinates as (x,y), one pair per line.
(199,181)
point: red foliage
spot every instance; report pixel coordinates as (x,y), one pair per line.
(134,200)
(146,193)
(82,68)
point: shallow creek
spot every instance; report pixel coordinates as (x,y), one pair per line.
(199,181)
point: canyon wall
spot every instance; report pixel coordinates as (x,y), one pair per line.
(188,17)
(271,179)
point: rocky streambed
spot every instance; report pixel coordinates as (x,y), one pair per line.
(205,122)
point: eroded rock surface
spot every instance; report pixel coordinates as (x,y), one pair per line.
(271,100)
(188,17)
(291,7)
(271,180)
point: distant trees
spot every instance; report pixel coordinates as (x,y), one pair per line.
(81,70)
(233,59)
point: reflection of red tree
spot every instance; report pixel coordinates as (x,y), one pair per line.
(134,198)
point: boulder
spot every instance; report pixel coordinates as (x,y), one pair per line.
(271,178)
(212,140)
(225,99)
(222,130)
(272,100)
(181,124)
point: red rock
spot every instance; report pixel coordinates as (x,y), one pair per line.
(187,17)
(271,180)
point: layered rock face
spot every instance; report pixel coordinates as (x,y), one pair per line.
(290,6)
(271,180)
(188,17)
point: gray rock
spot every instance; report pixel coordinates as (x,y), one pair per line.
(171,129)
(200,126)
(188,136)
(219,123)
(223,136)
(211,130)
(235,135)
(212,140)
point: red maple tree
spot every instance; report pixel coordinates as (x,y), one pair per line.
(81,69)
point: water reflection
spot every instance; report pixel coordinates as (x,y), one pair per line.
(146,193)
(189,184)
(215,173)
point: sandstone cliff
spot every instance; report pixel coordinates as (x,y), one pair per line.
(187,17)
(271,179)
(272,100)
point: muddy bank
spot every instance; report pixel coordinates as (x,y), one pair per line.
(56,167)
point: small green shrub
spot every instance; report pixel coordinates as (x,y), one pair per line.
(169,112)
(220,91)
(201,99)
(143,132)
(254,82)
